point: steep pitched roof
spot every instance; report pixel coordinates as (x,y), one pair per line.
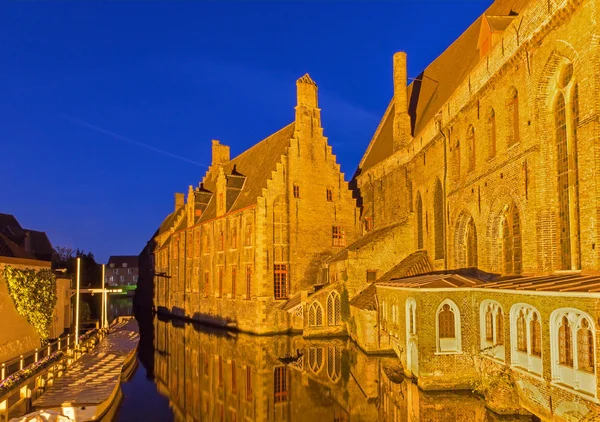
(8,220)
(432,88)
(414,264)
(11,249)
(371,237)
(256,164)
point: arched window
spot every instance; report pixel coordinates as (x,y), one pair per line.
(411,318)
(438,215)
(471,147)
(511,241)
(334,363)
(471,244)
(491,133)
(513,117)
(572,347)
(334,309)
(526,338)
(448,327)
(565,128)
(315,315)
(315,359)
(492,329)
(455,149)
(565,345)
(419,207)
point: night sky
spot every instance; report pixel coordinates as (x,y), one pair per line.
(108,108)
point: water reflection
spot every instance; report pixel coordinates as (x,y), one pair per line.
(210,375)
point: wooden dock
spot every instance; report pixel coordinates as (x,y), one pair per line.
(92,384)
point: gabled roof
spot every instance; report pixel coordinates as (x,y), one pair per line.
(256,164)
(371,237)
(8,220)
(132,261)
(11,249)
(433,281)
(414,264)
(556,283)
(434,86)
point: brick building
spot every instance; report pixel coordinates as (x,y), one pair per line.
(122,270)
(244,246)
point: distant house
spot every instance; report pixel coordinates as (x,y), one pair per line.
(33,242)
(122,270)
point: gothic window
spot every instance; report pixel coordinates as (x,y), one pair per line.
(334,309)
(438,210)
(567,177)
(471,244)
(489,324)
(315,315)
(521,333)
(411,314)
(281,384)
(572,346)
(511,241)
(526,339)
(585,347)
(535,328)
(334,363)
(471,147)
(419,208)
(281,281)
(492,329)
(565,346)
(491,133)
(448,327)
(315,359)
(513,118)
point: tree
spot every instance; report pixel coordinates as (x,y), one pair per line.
(91,274)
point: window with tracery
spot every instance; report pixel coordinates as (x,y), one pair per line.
(315,359)
(446,322)
(315,315)
(489,321)
(585,347)
(565,345)
(511,241)
(334,363)
(334,307)
(536,335)
(521,333)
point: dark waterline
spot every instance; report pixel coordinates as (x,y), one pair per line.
(190,372)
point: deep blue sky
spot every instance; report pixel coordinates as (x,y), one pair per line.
(85,85)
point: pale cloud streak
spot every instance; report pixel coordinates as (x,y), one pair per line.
(124,138)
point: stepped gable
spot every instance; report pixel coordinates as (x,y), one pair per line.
(434,86)
(256,164)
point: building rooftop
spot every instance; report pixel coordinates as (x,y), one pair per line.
(119,260)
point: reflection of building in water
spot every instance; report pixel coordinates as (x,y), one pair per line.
(223,377)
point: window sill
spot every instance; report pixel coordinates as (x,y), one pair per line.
(524,371)
(449,352)
(580,393)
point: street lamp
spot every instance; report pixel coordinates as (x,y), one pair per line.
(77,305)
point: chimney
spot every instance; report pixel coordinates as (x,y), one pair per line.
(220,153)
(179,200)
(308,114)
(402,129)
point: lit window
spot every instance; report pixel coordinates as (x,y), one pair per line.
(280,281)
(124,264)
(281,384)
(448,328)
(339,236)
(315,315)
(572,347)
(526,338)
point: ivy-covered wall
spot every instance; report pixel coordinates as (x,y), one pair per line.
(17,336)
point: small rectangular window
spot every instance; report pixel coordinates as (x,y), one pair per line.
(339,236)
(124,264)
(280,381)
(296,191)
(248,236)
(129,271)
(234,238)
(122,278)
(371,276)
(368,223)
(329,195)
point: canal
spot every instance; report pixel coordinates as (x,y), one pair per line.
(188,372)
